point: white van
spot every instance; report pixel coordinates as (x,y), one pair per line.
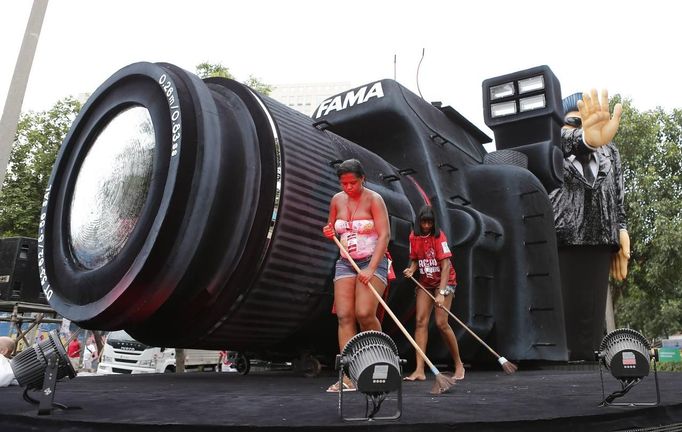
(124,355)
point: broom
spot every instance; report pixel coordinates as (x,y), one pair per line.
(443,383)
(508,367)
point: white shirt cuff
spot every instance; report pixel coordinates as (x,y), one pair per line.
(586,144)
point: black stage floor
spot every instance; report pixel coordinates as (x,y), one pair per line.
(547,400)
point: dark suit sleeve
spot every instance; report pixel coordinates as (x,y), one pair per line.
(572,142)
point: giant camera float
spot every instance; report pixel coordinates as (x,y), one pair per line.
(189,212)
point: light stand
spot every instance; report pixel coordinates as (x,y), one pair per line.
(627,355)
(371,361)
(38,368)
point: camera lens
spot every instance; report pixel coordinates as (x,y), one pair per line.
(111,188)
(156,184)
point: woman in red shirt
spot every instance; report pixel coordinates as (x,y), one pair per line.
(74,352)
(430,253)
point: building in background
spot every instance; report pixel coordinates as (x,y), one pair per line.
(305,97)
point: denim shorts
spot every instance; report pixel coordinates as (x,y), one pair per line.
(344,269)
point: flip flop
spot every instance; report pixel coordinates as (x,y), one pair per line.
(334,388)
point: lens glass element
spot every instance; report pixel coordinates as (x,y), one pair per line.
(111,188)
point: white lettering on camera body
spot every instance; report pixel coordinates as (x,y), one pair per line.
(351,98)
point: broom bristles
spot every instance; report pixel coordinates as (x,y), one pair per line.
(443,384)
(507,366)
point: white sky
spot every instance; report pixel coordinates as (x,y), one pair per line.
(631,48)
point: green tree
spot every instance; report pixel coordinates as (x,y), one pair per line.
(207,70)
(39,136)
(258,85)
(651,149)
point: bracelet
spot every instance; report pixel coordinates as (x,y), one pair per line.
(449,289)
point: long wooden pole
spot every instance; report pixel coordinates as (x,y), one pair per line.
(500,359)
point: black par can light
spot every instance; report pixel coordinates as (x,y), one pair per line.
(30,364)
(628,356)
(371,360)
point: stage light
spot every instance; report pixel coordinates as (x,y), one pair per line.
(627,355)
(30,364)
(39,368)
(371,361)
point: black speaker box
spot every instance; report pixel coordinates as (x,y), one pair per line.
(19,279)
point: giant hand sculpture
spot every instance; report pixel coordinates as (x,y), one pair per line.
(599,127)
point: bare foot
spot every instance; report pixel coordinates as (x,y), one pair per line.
(415,376)
(459,372)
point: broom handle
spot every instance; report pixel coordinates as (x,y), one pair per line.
(390,312)
(455,318)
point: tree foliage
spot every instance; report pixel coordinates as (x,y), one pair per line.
(258,85)
(39,136)
(650,142)
(207,70)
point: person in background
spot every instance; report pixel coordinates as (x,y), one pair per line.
(6,373)
(90,355)
(429,252)
(360,218)
(74,352)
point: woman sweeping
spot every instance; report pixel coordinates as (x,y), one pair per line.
(360,218)
(430,253)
